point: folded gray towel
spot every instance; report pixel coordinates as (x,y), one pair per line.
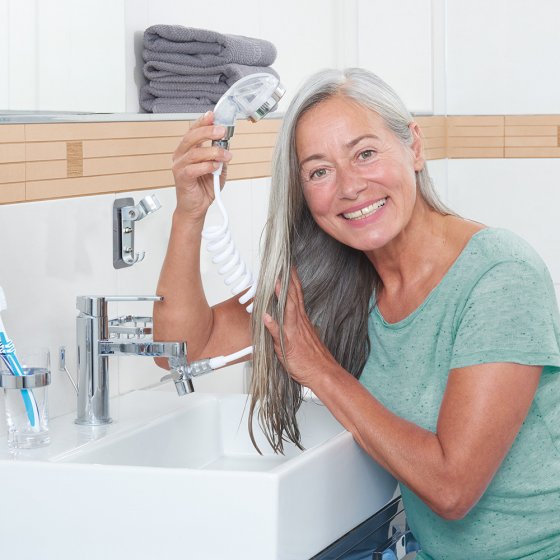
(185,104)
(148,95)
(203,48)
(180,89)
(228,73)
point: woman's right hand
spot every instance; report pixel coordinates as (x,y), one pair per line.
(193,164)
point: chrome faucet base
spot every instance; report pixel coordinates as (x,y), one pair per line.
(98,337)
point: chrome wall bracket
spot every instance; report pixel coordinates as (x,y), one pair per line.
(125,216)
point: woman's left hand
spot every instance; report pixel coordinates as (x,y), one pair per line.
(305,354)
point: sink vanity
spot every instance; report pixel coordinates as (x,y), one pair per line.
(179,478)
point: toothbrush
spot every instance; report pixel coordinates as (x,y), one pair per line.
(8,354)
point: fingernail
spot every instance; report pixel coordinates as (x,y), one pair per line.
(207,114)
(221,130)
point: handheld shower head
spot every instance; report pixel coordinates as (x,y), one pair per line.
(251,97)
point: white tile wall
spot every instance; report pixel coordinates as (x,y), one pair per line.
(390,26)
(57,250)
(80,55)
(521,195)
(502,57)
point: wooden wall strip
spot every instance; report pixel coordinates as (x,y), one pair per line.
(536,120)
(126,164)
(457,153)
(532,130)
(12,192)
(435,153)
(266,140)
(42,161)
(475,142)
(61,188)
(475,136)
(12,172)
(44,151)
(130,147)
(533,152)
(475,120)
(259,155)
(460,131)
(249,171)
(532,141)
(266,125)
(12,153)
(43,170)
(94,131)
(12,133)
(434,142)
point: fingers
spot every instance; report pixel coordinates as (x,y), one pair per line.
(193,159)
(201,130)
(272,326)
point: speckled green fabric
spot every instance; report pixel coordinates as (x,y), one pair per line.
(495,304)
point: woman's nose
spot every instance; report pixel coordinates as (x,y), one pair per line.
(350,184)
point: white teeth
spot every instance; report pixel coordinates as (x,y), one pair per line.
(367,211)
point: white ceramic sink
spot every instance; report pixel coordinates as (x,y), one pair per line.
(211,433)
(179,478)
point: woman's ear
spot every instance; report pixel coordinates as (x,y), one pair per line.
(417,146)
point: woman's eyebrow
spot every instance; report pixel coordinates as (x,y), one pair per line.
(349,145)
(357,140)
(310,158)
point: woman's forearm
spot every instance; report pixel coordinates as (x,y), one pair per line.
(184,313)
(482,411)
(410,453)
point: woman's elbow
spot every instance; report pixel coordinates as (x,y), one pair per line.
(453,504)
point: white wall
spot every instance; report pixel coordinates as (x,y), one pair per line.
(62,55)
(61,249)
(502,58)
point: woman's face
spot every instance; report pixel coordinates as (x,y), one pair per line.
(358,178)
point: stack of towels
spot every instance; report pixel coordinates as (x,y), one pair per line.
(189,69)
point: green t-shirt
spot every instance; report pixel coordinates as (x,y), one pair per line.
(495,304)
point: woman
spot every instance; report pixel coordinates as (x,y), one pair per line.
(433,339)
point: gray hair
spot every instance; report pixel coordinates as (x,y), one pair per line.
(338,281)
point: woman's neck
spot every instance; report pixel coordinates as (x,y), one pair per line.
(413,263)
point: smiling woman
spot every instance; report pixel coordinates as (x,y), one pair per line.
(451,327)
(433,339)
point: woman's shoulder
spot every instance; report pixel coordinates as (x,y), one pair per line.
(491,246)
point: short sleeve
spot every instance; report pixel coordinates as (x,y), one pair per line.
(510,315)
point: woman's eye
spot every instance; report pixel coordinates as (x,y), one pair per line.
(318,173)
(366,154)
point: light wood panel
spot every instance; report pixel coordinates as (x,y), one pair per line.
(475,136)
(532,136)
(57,160)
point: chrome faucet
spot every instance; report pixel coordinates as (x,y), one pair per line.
(98,337)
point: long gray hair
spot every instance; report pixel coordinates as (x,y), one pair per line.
(337,281)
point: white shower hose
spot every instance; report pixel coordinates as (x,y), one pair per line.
(231,265)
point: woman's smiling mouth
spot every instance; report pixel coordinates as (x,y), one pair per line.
(366,211)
